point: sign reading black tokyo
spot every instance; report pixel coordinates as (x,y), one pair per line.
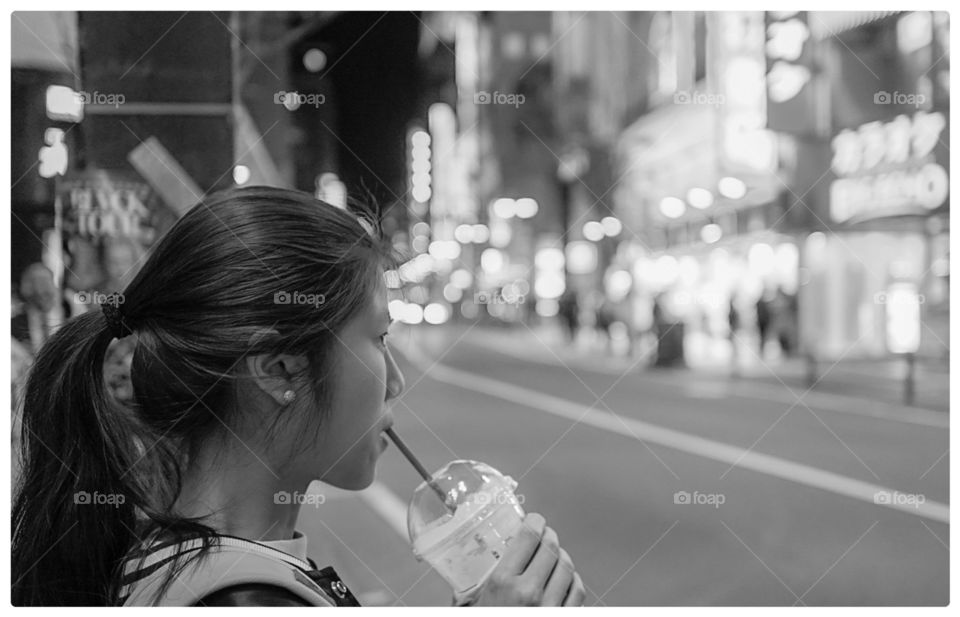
(100,205)
(109,219)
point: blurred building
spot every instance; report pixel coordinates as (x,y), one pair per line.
(524,204)
(487,198)
(699,178)
(875,267)
(44,146)
(599,88)
(153,110)
(786,159)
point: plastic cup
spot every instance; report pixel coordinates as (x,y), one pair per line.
(465,538)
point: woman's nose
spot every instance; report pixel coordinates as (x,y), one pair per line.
(395,382)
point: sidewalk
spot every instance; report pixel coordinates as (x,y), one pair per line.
(867,380)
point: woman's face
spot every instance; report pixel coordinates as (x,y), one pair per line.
(364,378)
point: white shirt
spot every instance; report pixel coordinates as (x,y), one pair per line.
(296,546)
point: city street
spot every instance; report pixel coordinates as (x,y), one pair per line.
(682,275)
(759,532)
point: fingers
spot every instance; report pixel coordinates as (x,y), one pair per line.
(537,570)
(544,560)
(577,592)
(560,581)
(523,545)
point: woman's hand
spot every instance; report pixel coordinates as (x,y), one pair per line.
(534,571)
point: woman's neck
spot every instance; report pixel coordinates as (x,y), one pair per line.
(239,494)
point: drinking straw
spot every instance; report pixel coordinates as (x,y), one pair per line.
(420,468)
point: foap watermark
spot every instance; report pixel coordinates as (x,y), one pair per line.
(904,299)
(697,498)
(96,498)
(113,99)
(498,499)
(686,97)
(495,297)
(896,498)
(712,299)
(498,98)
(883,97)
(285,498)
(298,297)
(293,100)
(97,297)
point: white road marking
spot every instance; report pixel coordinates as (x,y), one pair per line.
(684,442)
(826,401)
(388,506)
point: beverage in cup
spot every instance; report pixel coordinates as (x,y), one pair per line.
(463,534)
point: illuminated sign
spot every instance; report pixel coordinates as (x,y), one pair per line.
(903,318)
(785,44)
(790,73)
(98,206)
(885,169)
(746,145)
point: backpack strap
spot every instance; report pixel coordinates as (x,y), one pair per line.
(232,562)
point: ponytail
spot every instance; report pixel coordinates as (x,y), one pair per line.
(99,480)
(74,514)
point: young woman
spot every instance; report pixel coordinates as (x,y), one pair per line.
(260,365)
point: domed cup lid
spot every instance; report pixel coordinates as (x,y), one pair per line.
(469,486)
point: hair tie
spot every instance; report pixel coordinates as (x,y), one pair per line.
(114,318)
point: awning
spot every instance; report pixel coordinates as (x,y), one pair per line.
(824,24)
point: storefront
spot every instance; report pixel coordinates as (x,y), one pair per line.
(699,285)
(875,263)
(876,277)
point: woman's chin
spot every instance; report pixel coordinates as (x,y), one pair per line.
(353,481)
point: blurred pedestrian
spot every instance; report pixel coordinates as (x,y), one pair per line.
(659,319)
(603,319)
(569,310)
(763,321)
(785,317)
(733,323)
(33,326)
(261,364)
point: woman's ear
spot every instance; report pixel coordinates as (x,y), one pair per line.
(275,374)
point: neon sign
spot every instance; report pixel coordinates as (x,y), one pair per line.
(888,168)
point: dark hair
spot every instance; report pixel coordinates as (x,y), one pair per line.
(216,278)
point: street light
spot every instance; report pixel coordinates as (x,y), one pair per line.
(672,207)
(464,234)
(241,174)
(420,178)
(53,156)
(593,231)
(63,103)
(711,233)
(481,233)
(314,60)
(527,208)
(732,188)
(700,198)
(611,226)
(505,208)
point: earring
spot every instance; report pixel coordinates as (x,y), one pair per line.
(288,397)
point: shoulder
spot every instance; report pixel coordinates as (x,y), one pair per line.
(252,594)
